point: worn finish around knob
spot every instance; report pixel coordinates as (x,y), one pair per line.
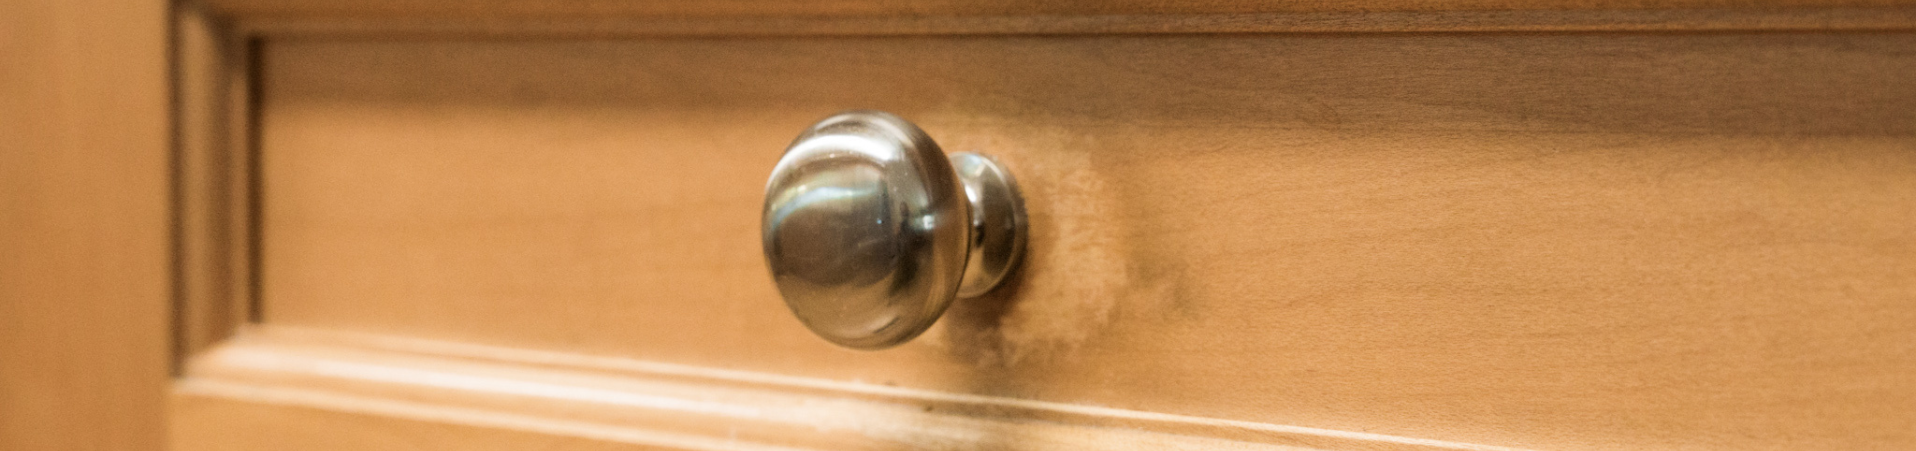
(871,231)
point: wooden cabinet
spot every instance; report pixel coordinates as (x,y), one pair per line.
(84,258)
(1575,225)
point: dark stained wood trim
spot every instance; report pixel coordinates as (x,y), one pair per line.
(1888,18)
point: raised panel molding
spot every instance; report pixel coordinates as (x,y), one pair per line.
(292,389)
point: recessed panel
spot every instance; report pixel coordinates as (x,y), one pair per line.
(1575,241)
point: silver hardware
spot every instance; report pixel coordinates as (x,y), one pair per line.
(871,231)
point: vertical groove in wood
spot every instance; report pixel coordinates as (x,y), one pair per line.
(248,93)
(198,211)
(213,180)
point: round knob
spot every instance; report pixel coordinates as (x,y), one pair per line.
(871,231)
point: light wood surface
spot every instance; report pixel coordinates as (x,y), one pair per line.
(84,315)
(1563,241)
(276,387)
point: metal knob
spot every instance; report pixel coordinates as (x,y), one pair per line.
(870,231)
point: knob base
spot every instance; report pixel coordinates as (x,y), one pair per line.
(997,222)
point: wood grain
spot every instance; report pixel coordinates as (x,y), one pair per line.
(691,9)
(275,383)
(1823,19)
(84,320)
(1565,241)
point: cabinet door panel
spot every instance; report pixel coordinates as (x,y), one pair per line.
(1574,241)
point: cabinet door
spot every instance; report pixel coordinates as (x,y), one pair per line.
(505,226)
(84,297)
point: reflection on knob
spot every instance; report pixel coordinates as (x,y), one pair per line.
(871,231)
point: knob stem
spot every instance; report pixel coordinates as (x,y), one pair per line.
(997,222)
